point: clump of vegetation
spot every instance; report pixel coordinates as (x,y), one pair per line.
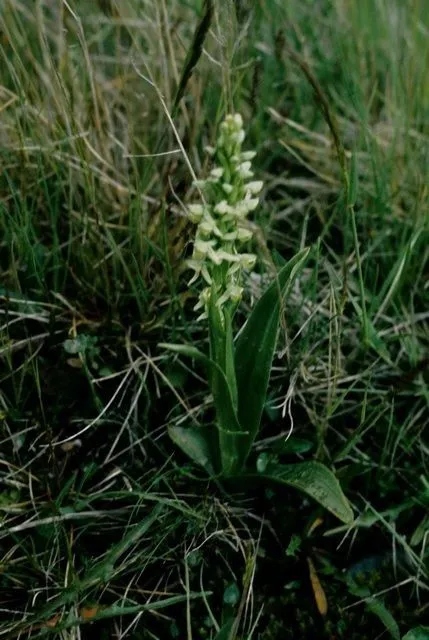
(140,304)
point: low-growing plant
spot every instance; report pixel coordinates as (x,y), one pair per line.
(239,370)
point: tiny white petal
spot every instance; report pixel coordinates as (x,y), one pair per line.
(238,120)
(222,207)
(244,235)
(206,275)
(241,209)
(228,188)
(246,175)
(251,204)
(195,212)
(215,257)
(225,256)
(210,150)
(245,166)
(231,236)
(238,136)
(217,172)
(202,248)
(248,260)
(254,187)
(235,292)
(247,155)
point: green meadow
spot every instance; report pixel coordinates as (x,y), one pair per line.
(256,468)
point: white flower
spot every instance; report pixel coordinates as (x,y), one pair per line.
(254,187)
(223,207)
(244,235)
(203,248)
(225,256)
(238,120)
(247,260)
(210,150)
(233,293)
(208,226)
(245,166)
(195,212)
(217,259)
(244,170)
(238,136)
(240,210)
(247,155)
(216,173)
(251,204)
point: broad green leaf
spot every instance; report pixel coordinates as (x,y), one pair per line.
(227,423)
(383,614)
(293,446)
(418,633)
(255,351)
(315,480)
(199,444)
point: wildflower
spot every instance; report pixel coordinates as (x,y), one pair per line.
(254,187)
(195,212)
(229,196)
(216,173)
(251,204)
(247,155)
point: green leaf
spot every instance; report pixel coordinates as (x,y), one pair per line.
(225,632)
(228,425)
(317,481)
(383,614)
(199,444)
(255,352)
(418,633)
(231,595)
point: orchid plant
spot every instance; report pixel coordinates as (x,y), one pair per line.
(239,370)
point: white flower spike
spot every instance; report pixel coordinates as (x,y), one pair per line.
(217,258)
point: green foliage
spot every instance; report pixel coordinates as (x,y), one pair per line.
(419,633)
(317,481)
(239,379)
(255,350)
(94,188)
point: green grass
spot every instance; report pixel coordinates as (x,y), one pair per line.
(106,530)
